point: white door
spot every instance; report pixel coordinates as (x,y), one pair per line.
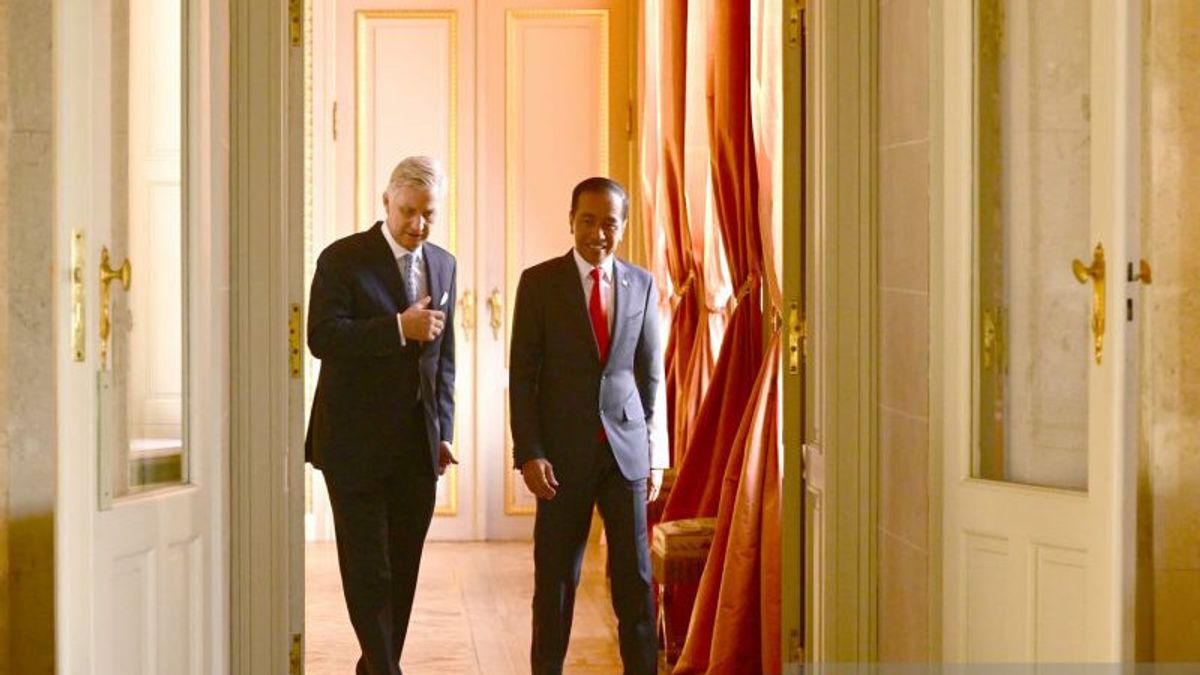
(140,571)
(519,105)
(1040,169)
(556,107)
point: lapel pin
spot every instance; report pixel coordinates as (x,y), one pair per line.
(624,282)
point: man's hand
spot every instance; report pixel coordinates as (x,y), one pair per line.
(445,458)
(539,478)
(654,484)
(420,323)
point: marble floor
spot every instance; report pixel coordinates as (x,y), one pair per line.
(471,614)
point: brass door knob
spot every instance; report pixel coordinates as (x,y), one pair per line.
(1095,273)
(495,304)
(124,274)
(466,311)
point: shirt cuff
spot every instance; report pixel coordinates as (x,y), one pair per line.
(660,444)
(400,329)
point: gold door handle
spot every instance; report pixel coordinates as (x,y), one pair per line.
(466,309)
(107,275)
(495,305)
(1095,273)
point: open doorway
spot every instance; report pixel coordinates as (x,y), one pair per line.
(504,165)
(463,81)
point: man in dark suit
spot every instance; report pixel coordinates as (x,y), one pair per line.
(381,317)
(585,386)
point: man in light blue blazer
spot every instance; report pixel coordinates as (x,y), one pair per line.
(585,387)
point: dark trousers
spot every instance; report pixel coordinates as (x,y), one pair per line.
(380,521)
(559,539)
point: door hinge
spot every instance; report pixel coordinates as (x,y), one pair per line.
(797,339)
(295,356)
(296,22)
(78,295)
(795,647)
(795,17)
(296,655)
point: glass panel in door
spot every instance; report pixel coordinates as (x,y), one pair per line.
(1033,344)
(143,370)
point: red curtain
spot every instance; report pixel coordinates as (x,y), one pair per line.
(735,626)
(688,356)
(731,468)
(697,487)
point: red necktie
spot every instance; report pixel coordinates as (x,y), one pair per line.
(599,320)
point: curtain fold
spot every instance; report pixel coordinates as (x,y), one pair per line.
(697,486)
(731,630)
(731,468)
(766,104)
(687,347)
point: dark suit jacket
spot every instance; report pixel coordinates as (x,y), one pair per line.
(559,393)
(368,383)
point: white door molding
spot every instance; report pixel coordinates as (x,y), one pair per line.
(266,260)
(841,306)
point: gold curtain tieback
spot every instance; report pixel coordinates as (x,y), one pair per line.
(748,285)
(688,285)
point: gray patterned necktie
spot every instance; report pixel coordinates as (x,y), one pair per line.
(410,280)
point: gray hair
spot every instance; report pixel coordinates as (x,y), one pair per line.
(419,171)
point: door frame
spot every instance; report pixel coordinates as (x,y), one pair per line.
(840,273)
(265,265)
(937,314)
(841,437)
(793,368)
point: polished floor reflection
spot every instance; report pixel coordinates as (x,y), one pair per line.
(471,613)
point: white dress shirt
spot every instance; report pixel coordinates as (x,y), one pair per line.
(606,285)
(659,452)
(418,270)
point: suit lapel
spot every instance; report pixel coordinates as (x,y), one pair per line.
(572,289)
(620,288)
(433,274)
(388,268)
